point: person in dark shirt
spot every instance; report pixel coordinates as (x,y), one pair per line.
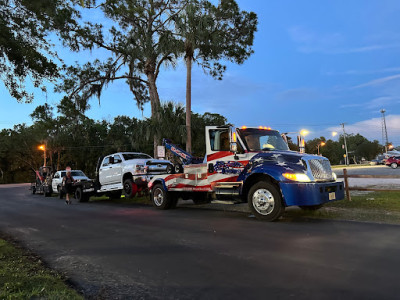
(67,182)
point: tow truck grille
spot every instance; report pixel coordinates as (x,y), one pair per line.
(321,169)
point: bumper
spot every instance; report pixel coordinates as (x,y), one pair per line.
(311,193)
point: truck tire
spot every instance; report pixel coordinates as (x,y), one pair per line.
(311,207)
(160,198)
(130,188)
(265,201)
(80,195)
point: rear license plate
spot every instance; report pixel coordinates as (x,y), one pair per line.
(332,196)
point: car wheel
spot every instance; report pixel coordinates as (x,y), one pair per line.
(160,198)
(393,165)
(265,201)
(130,188)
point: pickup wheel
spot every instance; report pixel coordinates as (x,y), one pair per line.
(130,188)
(160,198)
(80,195)
(265,201)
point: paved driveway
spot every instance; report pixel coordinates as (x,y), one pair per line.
(136,252)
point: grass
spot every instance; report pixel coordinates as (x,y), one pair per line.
(378,207)
(23,276)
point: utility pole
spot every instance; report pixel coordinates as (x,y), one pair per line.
(346,160)
(385,140)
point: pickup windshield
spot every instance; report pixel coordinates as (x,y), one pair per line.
(262,139)
(128,156)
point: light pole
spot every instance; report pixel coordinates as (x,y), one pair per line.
(321,145)
(43,147)
(346,159)
(302,145)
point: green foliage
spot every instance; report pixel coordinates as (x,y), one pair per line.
(77,141)
(358,148)
(25,50)
(23,276)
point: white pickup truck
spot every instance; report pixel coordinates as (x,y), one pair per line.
(127,172)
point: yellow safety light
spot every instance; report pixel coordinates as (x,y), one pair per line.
(234,137)
(244,127)
(42,147)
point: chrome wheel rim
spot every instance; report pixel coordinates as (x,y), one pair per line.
(158,196)
(263,201)
(394,165)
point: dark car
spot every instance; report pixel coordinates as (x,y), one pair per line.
(393,162)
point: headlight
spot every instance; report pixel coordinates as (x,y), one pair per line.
(334,176)
(300,177)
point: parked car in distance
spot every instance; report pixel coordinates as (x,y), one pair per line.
(379,160)
(58,176)
(393,162)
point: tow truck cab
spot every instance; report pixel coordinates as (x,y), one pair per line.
(251,165)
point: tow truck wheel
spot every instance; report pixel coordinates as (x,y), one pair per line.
(160,198)
(265,201)
(130,188)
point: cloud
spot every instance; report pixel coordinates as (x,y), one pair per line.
(309,41)
(382,101)
(372,128)
(378,81)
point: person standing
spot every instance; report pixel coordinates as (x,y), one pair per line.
(67,182)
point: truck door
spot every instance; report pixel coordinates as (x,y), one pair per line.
(105,171)
(222,166)
(116,170)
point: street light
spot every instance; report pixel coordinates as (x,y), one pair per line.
(321,145)
(303,133)
(43,148)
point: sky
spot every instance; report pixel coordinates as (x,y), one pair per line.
(316,64)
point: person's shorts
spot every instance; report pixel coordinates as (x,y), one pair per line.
(68,188)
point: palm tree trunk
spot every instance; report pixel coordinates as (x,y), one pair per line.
(188,104)
(155,109)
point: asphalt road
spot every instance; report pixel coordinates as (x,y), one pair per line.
(115,251)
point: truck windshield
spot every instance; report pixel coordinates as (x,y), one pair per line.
(128,156)
(262,140)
